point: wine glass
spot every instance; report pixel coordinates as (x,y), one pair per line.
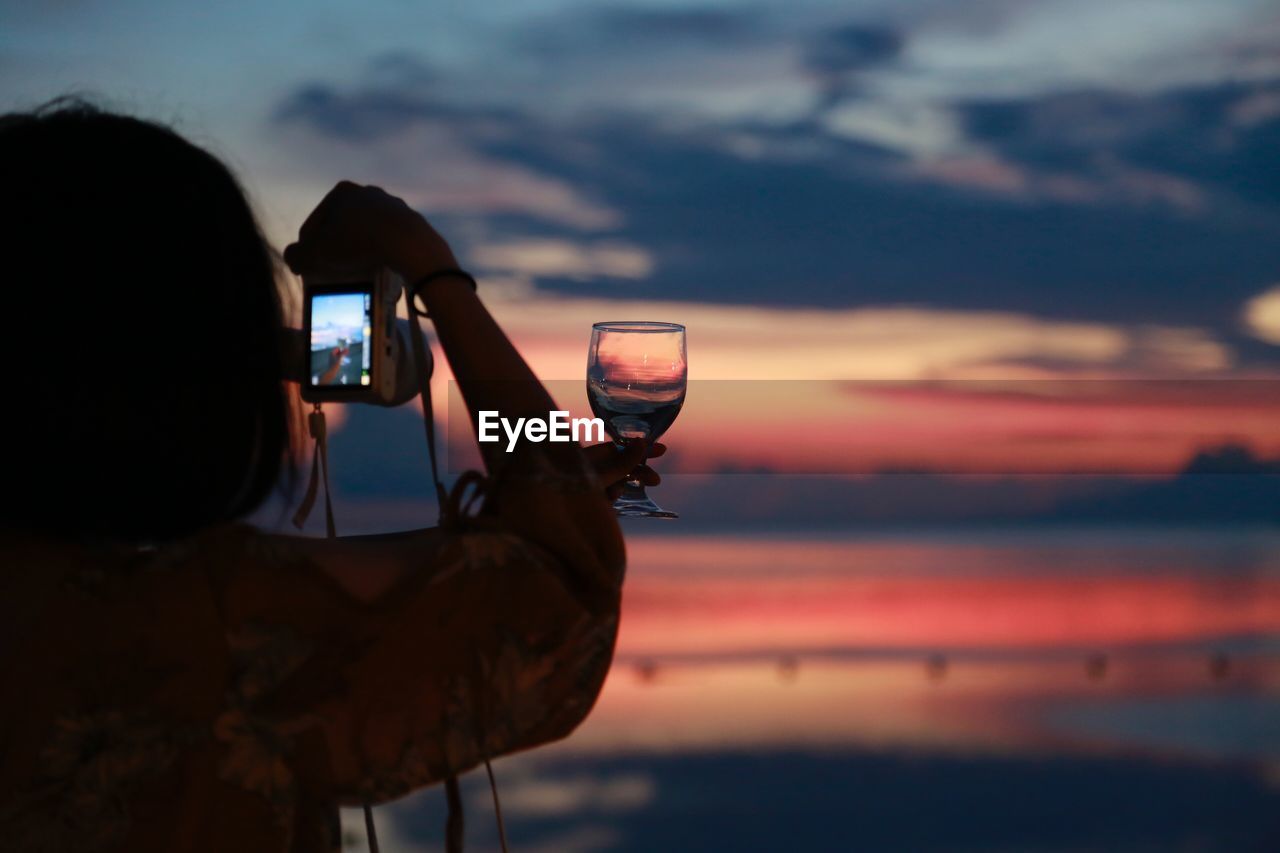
(636,377)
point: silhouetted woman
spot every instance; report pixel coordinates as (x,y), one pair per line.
(175,679)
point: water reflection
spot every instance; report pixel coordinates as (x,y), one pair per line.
(1077,690)
(1011,629)
(788,668)
(935,667)
(1219,666)
(1095,666)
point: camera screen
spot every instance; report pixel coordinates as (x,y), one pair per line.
(340,338)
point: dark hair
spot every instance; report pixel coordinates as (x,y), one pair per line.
(142,326)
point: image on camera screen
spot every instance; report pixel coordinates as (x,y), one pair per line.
(340,331)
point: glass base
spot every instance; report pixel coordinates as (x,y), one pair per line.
(634,503)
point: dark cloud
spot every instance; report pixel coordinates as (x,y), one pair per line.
(852,48)
(833,232)
(834,58)
(1209,136)
(808,218)
(369,115)
(375,112)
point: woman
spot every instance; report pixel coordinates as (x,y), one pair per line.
(176,679)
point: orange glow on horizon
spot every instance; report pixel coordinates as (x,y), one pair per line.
(802,390)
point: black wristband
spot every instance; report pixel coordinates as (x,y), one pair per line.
(416,288)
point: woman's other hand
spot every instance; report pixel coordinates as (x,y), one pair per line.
(611,466)
(358,228)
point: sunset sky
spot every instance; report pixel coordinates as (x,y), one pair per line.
(819,191)
(933,250)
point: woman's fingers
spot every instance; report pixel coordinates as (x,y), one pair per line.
(644,474)
(612,463)
(647,475)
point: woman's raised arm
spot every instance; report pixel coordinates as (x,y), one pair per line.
(356,228)
(435,649)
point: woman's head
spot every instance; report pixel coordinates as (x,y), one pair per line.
(142,331)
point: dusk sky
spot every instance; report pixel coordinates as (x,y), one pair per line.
(825,191)
(900,233)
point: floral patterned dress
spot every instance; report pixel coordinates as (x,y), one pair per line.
(223,694)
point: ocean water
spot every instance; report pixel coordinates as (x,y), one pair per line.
(1031,689)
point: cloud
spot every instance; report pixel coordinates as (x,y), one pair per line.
(1025,50)
(1262,315)
(1086,206)
(919,130)
(842,226)
(1176,350)
(1254,109)
(1184,147)
(702,61)
(425,149)
(771,343)
(852,47)
(564,259)
(836,56)
(1109,182)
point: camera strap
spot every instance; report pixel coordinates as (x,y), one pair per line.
(319,471)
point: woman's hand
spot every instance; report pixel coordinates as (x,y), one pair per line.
(358,228)
(611,465)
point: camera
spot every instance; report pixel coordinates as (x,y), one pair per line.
(351,348)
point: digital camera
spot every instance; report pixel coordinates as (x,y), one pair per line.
(351,348)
